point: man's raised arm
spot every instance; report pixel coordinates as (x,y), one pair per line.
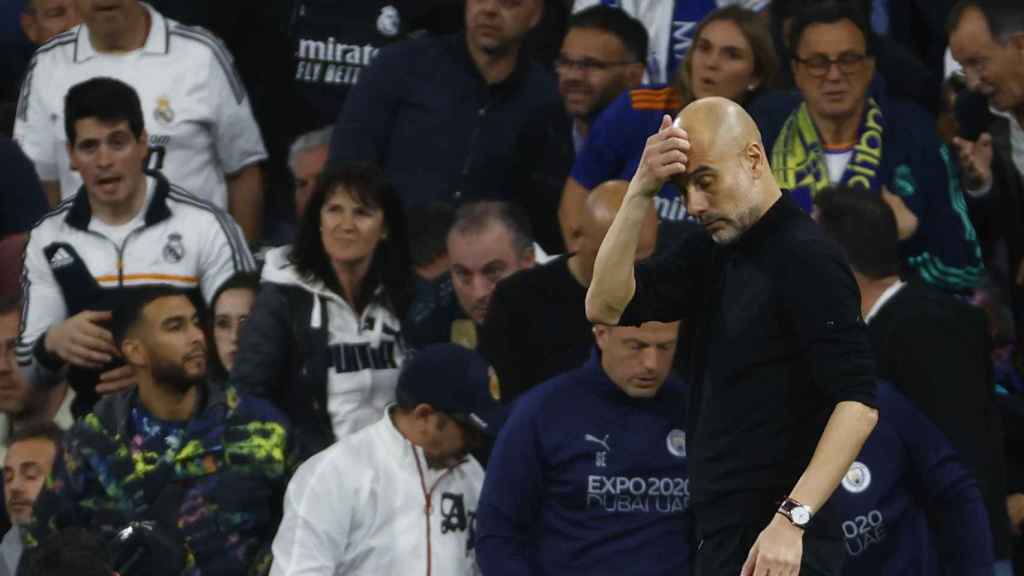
(613,284)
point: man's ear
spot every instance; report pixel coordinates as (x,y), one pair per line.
(71,157)
(601,335)
(635,75)
(756,159)
(134,352)
(1017,43)
(29,27)
(538,14)
(422,412)
(529,257)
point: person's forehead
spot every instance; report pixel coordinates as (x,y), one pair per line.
(651,333)
(43,5)
(971,33)
(312,158)
(831,37)
(474,249)
(585,41)
(9,324)
(96,128)
(724,33)
(234,299)
(33,450)
(168,307)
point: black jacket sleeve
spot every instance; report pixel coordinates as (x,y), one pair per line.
(504,342)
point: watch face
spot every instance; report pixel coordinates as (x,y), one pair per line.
(800,515)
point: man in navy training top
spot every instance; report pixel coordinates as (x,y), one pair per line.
(589,473)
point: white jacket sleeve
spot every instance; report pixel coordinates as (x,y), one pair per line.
(225,254)
(319,507)
(43,307)
(34,125)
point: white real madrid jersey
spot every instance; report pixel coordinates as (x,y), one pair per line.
(195,108)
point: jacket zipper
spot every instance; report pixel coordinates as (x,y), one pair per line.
(119,250)
(427,495)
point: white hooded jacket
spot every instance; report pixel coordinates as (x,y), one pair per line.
(365,352)
(370,506)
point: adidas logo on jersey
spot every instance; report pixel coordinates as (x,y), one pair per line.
(60,259)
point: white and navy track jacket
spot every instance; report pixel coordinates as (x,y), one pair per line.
(182,241)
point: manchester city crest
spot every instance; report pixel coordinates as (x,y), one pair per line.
(163,113)
(389,22)
(857,479)
(676,442)
(174,250)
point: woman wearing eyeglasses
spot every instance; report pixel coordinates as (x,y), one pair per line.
(732,56)
(844,133)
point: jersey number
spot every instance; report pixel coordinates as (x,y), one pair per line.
(155,159)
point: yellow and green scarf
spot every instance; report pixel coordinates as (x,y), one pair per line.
(798,157)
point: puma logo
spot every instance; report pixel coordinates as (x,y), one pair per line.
(602,442)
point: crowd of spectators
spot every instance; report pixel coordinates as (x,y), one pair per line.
(301,290)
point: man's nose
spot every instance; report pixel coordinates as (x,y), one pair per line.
(973,79)
(649,358)
(104,157)
(696,203)
(481,287)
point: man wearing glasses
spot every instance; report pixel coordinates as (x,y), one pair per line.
(602,56)
(840,135)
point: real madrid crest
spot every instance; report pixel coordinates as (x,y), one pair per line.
(676,442)
(389,22)
(163,113)
(174,250)
(857,479)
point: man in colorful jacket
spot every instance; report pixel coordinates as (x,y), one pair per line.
(207,465)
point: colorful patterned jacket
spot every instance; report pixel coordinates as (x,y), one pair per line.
(226,480)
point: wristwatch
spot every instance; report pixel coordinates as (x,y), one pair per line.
(796,512)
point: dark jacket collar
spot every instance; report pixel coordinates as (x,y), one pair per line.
(778,217)
(81,211)
(114,412)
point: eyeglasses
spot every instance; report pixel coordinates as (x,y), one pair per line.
(586,65)
(819,66)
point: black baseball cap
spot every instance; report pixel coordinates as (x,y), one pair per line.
(456,381)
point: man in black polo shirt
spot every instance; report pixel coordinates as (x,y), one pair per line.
(781,373)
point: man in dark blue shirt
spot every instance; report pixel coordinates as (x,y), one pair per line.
(463,117)
(589,473)
(909,506)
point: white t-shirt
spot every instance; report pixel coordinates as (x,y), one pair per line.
(837,160)
(194,106)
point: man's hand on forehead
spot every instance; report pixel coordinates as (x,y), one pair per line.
(665,156)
